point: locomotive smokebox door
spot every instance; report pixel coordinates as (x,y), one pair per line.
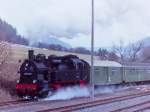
(31,54)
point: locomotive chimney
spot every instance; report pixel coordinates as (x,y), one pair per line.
(31,54)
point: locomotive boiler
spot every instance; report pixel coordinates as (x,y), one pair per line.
(40,74)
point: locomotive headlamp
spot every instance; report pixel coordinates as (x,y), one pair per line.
(34,81)
(18,81)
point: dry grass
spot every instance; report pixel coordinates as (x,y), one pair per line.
(5,96)
(20,52)
(8,77)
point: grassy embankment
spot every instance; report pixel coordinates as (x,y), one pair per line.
(9,75)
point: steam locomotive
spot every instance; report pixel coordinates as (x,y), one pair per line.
(40,74)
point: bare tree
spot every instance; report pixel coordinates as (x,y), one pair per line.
(120,50)
(5,51)
(129,52)
(113,57)
(133,50)
(103,54)
(145,54)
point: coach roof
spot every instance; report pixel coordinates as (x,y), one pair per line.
(105,63)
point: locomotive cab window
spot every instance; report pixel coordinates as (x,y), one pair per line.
(42,77)
(62,67)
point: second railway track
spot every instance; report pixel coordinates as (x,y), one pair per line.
(93,103)
(13,102)
(134,108)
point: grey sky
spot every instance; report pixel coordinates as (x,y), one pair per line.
(69,20)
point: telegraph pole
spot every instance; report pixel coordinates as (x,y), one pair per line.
(92,49)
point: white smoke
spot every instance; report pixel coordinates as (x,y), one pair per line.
(109,89)
(104,90)
(69,93)
(128,20)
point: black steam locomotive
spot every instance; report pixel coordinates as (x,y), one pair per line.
(40,74)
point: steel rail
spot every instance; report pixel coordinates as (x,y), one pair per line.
(140,107)
(13,102)
(94,103)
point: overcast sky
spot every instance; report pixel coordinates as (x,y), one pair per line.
(69,20)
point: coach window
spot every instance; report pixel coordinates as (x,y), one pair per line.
(114,71)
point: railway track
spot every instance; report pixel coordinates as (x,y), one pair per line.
(134,108)
(94,103)
(78,104)
(13,102)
